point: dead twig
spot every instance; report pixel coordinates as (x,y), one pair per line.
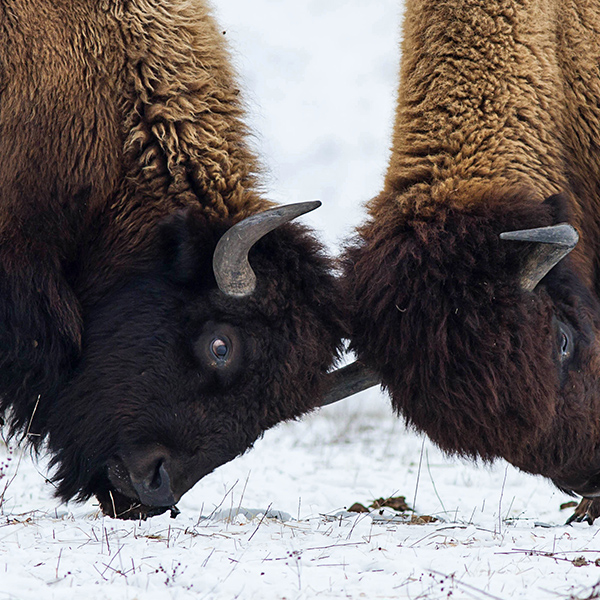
(261,521)
(465,585)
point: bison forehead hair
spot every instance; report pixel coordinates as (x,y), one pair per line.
(469,357)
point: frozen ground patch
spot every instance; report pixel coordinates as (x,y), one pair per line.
(500,534)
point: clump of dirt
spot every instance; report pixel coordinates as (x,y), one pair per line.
(357,507)
(422,519)
(580,561)
(397,503)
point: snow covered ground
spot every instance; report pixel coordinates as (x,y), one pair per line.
(319,77)
(500,533)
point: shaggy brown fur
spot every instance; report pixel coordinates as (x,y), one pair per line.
(498,110)
(114,115)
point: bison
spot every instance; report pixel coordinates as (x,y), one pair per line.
(150,330)
(464,304)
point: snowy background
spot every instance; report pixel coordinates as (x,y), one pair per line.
(319,78)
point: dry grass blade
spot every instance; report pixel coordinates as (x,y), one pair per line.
(27,434)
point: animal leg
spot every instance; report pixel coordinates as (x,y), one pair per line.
(588,510)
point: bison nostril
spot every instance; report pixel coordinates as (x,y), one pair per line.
(155,489)
(158,478)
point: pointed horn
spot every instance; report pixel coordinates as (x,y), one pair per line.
(552,244)
(232,270)
(348,381)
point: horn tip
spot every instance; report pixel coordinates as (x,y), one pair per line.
(310,205)
(564,235)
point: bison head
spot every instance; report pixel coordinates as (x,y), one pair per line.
(186,363)
(485,339)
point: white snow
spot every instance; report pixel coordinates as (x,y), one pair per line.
(319,77)
(500,534)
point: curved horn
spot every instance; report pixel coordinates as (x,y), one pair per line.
(232,270)
(552,244)
(347,381)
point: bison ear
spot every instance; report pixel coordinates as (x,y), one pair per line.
(188,244)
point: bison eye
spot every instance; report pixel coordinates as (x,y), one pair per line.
(219,348)
(566,342)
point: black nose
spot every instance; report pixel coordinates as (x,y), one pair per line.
(154,488)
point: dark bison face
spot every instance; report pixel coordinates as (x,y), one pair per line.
(484,363)
(178,377)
